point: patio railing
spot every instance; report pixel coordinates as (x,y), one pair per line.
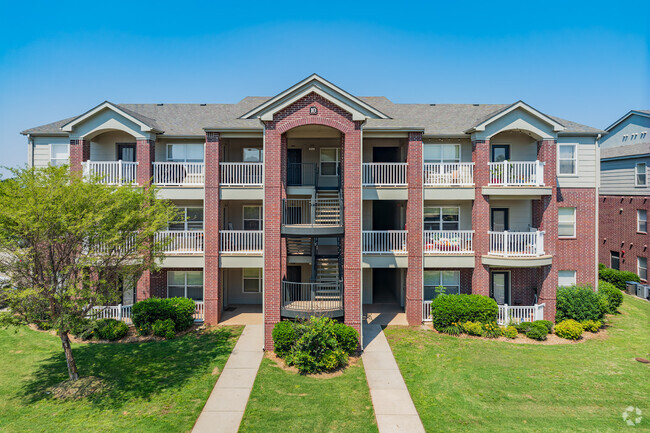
(448,241)
(384,241)
(242,173)
(516,314)
(182,242)
(517,244)
(384,173)
(112,172)
(178,173)
(241,241)
(449,174)
(516,173)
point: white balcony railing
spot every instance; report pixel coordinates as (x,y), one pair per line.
(517,244)
(241,241)
(182,242)
(449,174)
(448,241)
(178,173)
(516,314)
(117,312)
(426,311)
(384,241)
(516,173)
(112,172)
(242,173)
(199,311)
(384,174)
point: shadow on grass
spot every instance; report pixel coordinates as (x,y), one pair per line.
(134,370)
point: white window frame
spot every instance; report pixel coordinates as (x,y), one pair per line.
(185,157)
(260,280)
(560,159)
(571,277)
(644,173)
(441,160)
(185,285)
(338,161)
(186,221)
(441,216)
(640,220)
(260,154)
(244,219)
(440,281)
(575,211)
(60,161)
(639,268)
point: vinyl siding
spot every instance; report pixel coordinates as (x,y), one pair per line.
(617,177)
(586,177)
(42,149)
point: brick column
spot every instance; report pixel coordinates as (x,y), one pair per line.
(414,225)
(352,224)
(143,287)
(79,153)
(547,208)
(481,217)
(145,155)
(212,284)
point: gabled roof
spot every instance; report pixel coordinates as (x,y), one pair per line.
(359,109)
(643,113)
(481,124)
(635,150)
(147,124)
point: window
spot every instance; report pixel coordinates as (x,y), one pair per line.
(640,174)
(188,152)
(252,217)
(329,162)
(252,154)
(566,278)
(566,222)
(614,260)
(450,280)
(59,154)
(185,284)
(642,268)
(642,221)
(568,159)
(441,218)
(252,280)
(191,219)
(441,153)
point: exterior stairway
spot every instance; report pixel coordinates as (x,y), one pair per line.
(299,246)
(327,271)
(328,209)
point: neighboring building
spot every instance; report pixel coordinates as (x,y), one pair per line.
(318,201)
(625,194)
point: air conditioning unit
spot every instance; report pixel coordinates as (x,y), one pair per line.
(630,287)
(643,291)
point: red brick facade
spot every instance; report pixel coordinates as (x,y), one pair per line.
(481,216)
(414,224)
(79,153)
(212,288)
(145,153)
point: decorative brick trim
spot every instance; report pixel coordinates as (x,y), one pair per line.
(145,154)
(414,225)
(481,216)
(211,274)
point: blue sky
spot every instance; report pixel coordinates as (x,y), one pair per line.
(584,61)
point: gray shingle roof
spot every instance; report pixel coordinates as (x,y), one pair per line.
(191,119)
(627,150)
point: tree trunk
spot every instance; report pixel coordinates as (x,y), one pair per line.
(69,359)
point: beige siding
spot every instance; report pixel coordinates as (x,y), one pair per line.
(520,214)
(42,149)
(233,284)
(586,177)
(465,146)
(617,177)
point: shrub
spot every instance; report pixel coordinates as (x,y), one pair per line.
(569,329)
(447,309)
(144,329)
(509,331)
(83,329)
(473,328)
(547,323)
(613,295)
(617,278)
(284,335)
(110,329)
(347,337)
(579,303)
(317,348)
(454,329)
(148,311)
(523,327)
(591,325)
(491,330)
(164,328)
(537,331)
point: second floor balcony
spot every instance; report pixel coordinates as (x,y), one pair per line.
(517,244)
(384,241)
(449,174)
(111,172)
(384,174)
(516,173)
(171,173)
(242,174)
(448,242)
(182,241)
(245,242)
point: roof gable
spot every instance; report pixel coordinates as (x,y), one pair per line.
(480,126)
(146,124)
(642,113)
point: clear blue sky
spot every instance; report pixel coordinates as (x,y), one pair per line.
(585,61)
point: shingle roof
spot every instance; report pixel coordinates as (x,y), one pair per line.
(191,119)
(627,150)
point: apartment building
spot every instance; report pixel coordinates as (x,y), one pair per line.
(317,201)
(625,194)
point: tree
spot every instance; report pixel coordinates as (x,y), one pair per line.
(66,243)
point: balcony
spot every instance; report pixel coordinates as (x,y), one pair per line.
(384,174)
(179,173)
(307,299)
(182,242)
(517,244)
(449,174)
(245,242)
(448,242)
(312,216)
(111,172)
(516,173)
(384,241)
(242,174)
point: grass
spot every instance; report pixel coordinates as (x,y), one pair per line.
(151,387)
(283,401)
(460,384)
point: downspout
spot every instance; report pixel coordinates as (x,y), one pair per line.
(30,150)
(597,224)
(361,237)
(264,233)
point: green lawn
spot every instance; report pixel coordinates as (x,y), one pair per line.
(286,402)
(463,385)
(154,386)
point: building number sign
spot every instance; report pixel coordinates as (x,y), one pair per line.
(313,110)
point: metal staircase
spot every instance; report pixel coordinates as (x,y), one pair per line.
(299,246)
(328,207)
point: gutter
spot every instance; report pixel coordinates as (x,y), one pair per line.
(597,242)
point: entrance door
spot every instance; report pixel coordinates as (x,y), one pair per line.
(385,154)
(385,286)
(501,287)
(294,168)
(499,219)
(500,152)
(126,152)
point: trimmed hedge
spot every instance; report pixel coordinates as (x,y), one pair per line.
(109,329)
(579,303)
(164,328)
(617,278)
(448,309)
(537,331)
(180,310)
(569,329)
(284,335)
(613,295)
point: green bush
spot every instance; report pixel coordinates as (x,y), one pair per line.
(284,335)
(347,337)
(316,348)
(509,331)
(579,303)
(164,328)
(473,328)
(454,329)
(447,309)
(83,329)
(537,331)
(591,325)
(110,329)
(617,278)
(523,327)
(547,323)
(144,329)
(569,329)
(491,330)
(148,311)
(613,295)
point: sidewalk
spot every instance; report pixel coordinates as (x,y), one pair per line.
(394,408)
(224,409)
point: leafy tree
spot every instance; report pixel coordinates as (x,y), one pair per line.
(67,243)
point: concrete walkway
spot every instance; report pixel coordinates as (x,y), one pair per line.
(394,408)
(224,409)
